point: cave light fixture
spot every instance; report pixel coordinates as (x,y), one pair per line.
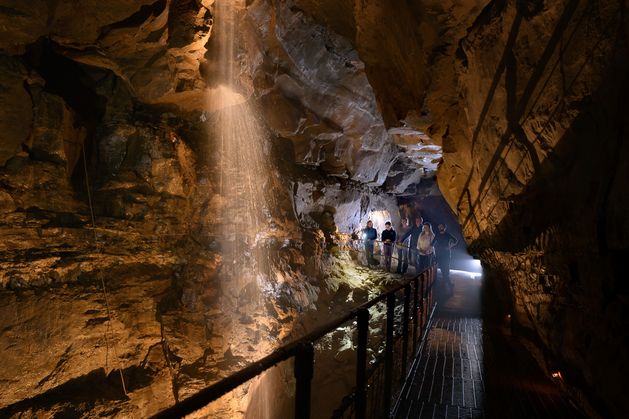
(472,268)
(469,274)
(476,265)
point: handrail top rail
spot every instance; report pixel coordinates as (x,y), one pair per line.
(397,243)
(284,352)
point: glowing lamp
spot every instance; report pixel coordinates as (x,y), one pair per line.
(476,265)
(556,374)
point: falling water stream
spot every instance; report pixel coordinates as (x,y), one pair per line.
(238,147)
(248,225)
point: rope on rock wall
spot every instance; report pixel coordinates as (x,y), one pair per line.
(109,327)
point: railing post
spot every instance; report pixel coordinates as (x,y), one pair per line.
(428,288)
(416,316)
(405,315)
(431,274)
(304,361)
(388,359)
(361,364)
(422,300)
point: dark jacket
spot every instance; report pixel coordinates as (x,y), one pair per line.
(370,233)
(414,232)
(443,240)
(388,235)
(402,233)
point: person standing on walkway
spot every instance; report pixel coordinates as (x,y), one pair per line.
(443,243)
(388,240)
(413,233)
(369,237)
(424,247)
(402,248)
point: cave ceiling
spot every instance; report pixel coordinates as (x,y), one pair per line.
(319,78)
(380,94)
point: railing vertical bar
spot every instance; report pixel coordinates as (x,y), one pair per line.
(405,316)
(422,301)
(304,368)
(376,396)
(376,393)
(388,360)
(361,363)
(429,292)
(432,274)
(416,316)
(371,394)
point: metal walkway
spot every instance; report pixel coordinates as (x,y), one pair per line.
(449,380)
(471,367)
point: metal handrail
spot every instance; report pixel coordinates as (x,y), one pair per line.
(303,351)
(397,245)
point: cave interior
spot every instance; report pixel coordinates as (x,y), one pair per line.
(184,185)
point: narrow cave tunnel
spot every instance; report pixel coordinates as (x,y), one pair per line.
(186,186)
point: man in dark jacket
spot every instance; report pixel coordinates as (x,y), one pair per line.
(402,248)
(388,239)
(369,236)
(443,242)
(414,232)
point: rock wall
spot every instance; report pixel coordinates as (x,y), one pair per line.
(61,331)
(349,206)
(308,95)
(155,47)
(535,173)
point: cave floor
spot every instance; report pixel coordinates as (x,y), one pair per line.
(471,367)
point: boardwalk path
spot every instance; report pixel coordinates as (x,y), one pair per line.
(472,368)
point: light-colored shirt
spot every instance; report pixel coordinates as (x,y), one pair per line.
(424,244)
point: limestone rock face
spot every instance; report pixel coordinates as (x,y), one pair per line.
(314,91)
(75,325)
(349,206)
(533,159)
(412,68)
(520,100)
(17,108)
(155,47)
(79,21)
(54,268)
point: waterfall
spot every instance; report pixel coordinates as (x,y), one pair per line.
(238,148)
(238,143)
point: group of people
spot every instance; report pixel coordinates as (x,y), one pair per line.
(417,246)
